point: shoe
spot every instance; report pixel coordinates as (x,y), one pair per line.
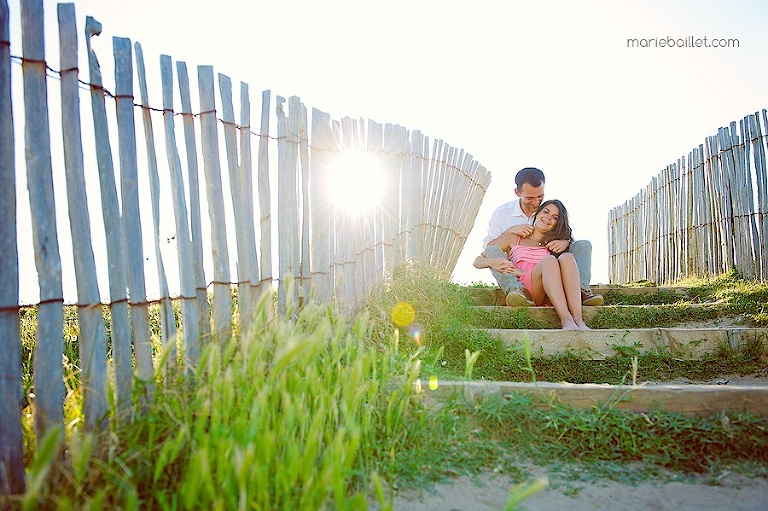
(517,299)
(587,298)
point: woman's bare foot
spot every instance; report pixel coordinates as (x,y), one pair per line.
(570,325)
(583,326)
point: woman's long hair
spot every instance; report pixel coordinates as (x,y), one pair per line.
(561,231)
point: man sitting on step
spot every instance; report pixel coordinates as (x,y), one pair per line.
(516,217)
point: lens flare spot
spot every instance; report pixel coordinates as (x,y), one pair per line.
(433,382)
(415,332)
(403,314)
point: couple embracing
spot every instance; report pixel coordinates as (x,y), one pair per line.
(531,253)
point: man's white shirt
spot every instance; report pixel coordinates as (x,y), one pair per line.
(505,216)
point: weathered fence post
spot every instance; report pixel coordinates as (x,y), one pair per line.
(303,156)
(350,239)
(93,336)
(246,166)
(752,241)
(424,247)
(321,206)
(11,447)
(374,147)
(756,141)
(390,201)
(415,187)
(167,317)
(49,341)
(190,321)
(242,204)
(131,216)
(287,211)
(110,209)
(222,291)
(265,203)
(195,224)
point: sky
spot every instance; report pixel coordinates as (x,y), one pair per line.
(550,84)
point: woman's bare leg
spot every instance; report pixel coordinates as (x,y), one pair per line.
(547,281)
(572,287)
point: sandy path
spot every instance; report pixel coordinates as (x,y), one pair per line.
(734,493)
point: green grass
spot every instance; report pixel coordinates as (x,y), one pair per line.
(315,410)
(450,324)
(496,363)
(301,413)
(608,441)
(659,316)
(607,317)
(552,433)
(727,294)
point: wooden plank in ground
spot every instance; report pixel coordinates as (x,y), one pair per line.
(690,400)
(684,343)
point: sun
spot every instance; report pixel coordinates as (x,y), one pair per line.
(356,181)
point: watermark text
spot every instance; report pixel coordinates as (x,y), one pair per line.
(682,42)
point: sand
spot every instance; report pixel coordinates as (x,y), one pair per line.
(490,492)
(732,492)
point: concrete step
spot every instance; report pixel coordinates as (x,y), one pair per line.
(490,296)
(682,343)
(548,317)
(604,289)
(688,399)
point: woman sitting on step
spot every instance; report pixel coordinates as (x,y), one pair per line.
(550,280)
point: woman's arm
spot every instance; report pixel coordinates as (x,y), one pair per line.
(507,240)
(508,237)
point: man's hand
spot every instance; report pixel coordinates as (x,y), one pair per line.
(558,246)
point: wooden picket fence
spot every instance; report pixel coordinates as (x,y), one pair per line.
(702,215)
(432,193)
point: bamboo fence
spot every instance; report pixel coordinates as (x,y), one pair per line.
(433,192)
(705,214)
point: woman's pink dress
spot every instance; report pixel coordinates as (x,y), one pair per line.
(525,258)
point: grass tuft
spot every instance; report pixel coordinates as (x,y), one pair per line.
(298,415)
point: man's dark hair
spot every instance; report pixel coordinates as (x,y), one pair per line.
(529,175)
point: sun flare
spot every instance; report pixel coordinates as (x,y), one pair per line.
(356,181)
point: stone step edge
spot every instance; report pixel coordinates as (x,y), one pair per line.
(683,343)
(588,312)
(688,399)
(598,307)
(494,295)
